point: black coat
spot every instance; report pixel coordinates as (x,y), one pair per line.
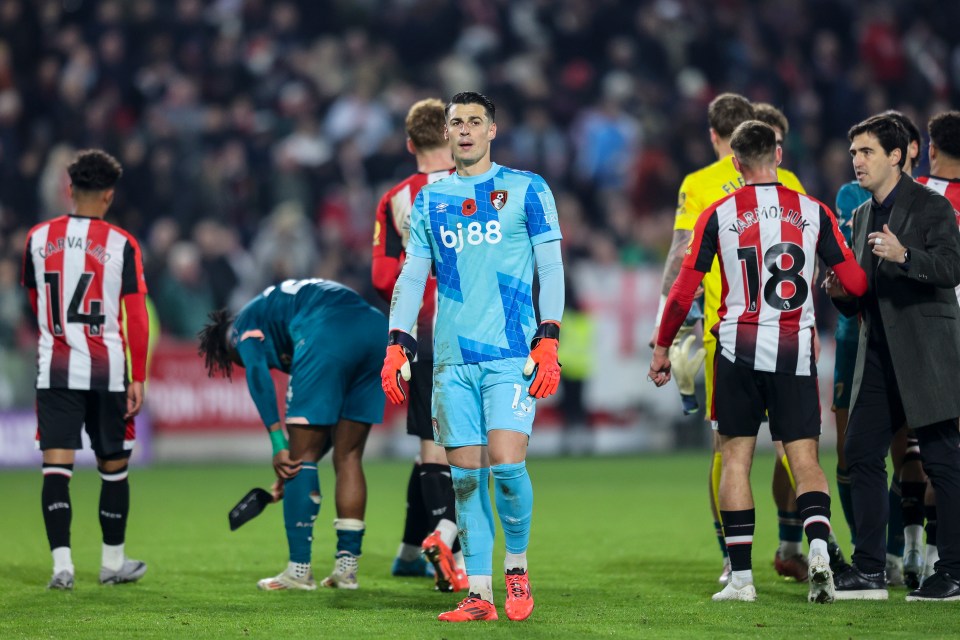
(918,305)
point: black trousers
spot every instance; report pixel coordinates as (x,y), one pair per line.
(874,419)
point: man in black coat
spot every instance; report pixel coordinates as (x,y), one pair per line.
(908,359)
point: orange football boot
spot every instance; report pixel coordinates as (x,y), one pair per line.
(519,604)
(470,609)
(449,577)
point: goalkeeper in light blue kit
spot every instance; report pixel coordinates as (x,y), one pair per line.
(481,229)
(329,340)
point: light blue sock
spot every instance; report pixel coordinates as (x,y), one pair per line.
(474,518)
(300,511)
(514,494)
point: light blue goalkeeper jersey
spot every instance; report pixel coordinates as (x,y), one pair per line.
(480,232)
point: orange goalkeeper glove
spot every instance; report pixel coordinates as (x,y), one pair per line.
(401,347)
(543,358)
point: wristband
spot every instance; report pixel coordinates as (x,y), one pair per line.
(278,441)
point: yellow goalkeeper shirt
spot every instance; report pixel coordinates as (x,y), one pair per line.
(698,191)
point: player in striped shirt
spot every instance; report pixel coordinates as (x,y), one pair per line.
(85,282)
(698,191)
(944,153)
(430,523)
(767,238)
(482,229)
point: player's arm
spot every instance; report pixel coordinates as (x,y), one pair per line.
(543,228)
(546,341)
(405,306)
(697,261)
(253,355)
(688,209)
(846,281)
(133,302)
(387,251)
(28,276)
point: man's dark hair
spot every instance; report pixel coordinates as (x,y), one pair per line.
(888,131)
(769,114)
(754,143)
(472,97)
(213,343)
(944,129)
(727,111)
(94,170)
(913,132)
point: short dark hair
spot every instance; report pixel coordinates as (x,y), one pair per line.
(944,129)
(888,131)
(913,132)
(424,124)
(769,114)
(213,343)
(754,143)
(727,111)
(472,97)
(94,170)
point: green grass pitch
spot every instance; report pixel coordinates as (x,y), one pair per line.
(620,548)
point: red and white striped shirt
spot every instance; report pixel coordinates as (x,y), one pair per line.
(78,271)
(390,237)
(949,188)
(767,238)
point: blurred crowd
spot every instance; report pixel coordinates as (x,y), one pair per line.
(257,135)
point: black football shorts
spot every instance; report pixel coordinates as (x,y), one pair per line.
(419,416)
(743,395)
(63,413)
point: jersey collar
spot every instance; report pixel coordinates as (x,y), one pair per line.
(483,177)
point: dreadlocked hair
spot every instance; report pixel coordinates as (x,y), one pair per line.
(213,343)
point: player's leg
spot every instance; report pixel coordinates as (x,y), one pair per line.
(739,516)
(112,437)
(409,562)
(510,411)
(441,545)
(314,396)
(895,532)
(301,504)
(716,462)
(739,408)
(60,415)
(813,503)
(457,409)
(349,440)
(439,541)
(794,408)
(913,487)
(789,560)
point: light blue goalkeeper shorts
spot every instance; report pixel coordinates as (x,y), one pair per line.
(471,399)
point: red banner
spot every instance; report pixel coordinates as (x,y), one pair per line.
(181,397)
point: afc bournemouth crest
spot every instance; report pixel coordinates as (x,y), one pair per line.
(498,199)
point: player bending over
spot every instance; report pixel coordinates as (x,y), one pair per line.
(328,340)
